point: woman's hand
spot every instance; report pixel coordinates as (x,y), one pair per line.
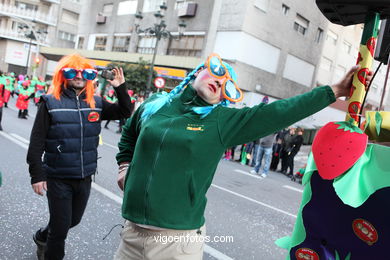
(343,87)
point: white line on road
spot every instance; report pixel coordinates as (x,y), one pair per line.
(208,249)
(248,174)
(215,253)
(110,145)
(292,188)
(107,193)
(255,201)
(12,139)
(22,139)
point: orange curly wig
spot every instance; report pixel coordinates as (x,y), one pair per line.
(75,61)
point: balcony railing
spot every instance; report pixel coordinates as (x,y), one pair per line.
(30,15)
(13,35)
(53,1)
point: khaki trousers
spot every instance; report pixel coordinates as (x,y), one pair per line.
(138,243)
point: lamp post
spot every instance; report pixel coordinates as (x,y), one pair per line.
(159,31)
(30,33)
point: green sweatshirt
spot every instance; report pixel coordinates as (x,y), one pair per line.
(174,154)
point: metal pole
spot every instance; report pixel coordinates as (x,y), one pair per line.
(152,65)
(384,85)
(28,55)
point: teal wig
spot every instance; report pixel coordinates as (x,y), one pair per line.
(165,98)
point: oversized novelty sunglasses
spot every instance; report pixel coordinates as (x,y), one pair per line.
(71,73)
(217,69)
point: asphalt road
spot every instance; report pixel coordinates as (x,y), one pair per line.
(254,212)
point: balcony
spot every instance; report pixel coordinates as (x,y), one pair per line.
(53,1)
(13,35)
(29,15)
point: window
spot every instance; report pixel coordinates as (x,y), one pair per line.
(319,35)
(121,43)
(188,45)
(107,9)
(347,47)
(179,4)
(69,17)
(151,5)
(332,37)
(262,4)
(100,43)
(66,36)
(127,7)
(339,72)
(326,64)
(285,9)
(26,6)
(301,24)
(15,25)
(146,44)
(80,44)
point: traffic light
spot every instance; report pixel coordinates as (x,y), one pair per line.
(37,60)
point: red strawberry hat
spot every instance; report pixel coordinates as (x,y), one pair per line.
(337,147)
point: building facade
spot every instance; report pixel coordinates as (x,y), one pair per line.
(28,25)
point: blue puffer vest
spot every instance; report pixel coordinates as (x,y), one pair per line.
(73,137)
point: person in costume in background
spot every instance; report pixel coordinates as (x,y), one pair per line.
(110,98)
(24,95)
(70,155)
(170,148)
(2,91)
(39,89)
(9,88)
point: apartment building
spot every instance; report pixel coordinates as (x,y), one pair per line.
(279,48)
(28,25)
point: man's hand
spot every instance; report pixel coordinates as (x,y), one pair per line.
(39,187)
(119,78)
(122,174)
(343,87)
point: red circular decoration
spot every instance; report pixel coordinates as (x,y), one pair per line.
(365,231)
(371,45)
(93,117)
(306,253)
(353,109)
(362,74)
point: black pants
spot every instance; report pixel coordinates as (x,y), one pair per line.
(284,157)
(67,201)
(289,163)
(274,162)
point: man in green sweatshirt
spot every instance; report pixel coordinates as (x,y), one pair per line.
(170,149)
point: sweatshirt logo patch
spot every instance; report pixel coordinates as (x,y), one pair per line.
(93,117)
(195,127)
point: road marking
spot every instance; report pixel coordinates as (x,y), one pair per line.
(215,253)
(107,193)
(208,249)
(112,146)
(292,188)
(248,174)
(255,201)
(13,139)
(22,139)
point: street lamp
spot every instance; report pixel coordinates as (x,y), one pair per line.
(159,31)
(30,33)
